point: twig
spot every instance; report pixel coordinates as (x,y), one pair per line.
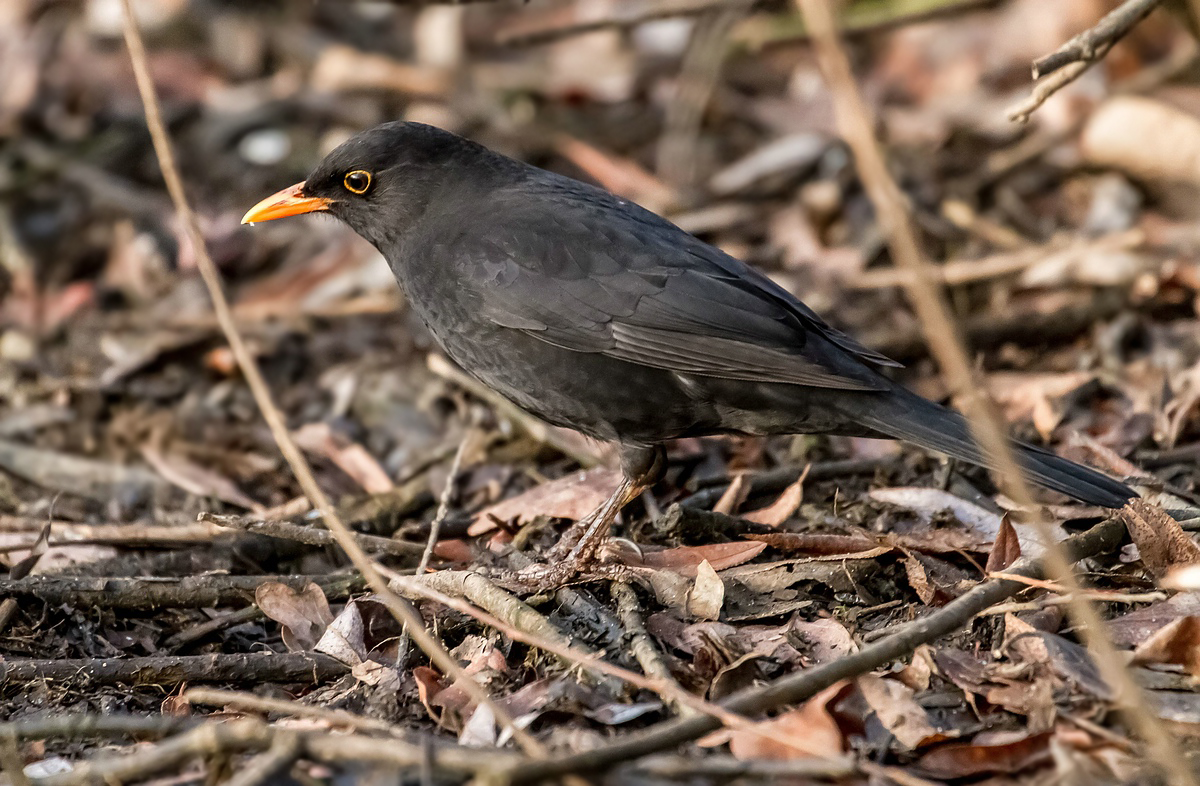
(80,726)
(622,18)
(1093,43)
(173,669)
(283,751)
(1022,110)
(685,768)
(695,84)
(802,685)
(443,509)
(857,128)
(275,422)
(11,762)
(285,530)
(999,265)
(192,592)
(193,633)
(642,647)
(256,703)
(1067,63)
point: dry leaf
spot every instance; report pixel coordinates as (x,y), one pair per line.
(195,479)
(341,68)
(569,497)
(304,615)
(1178,643)
(1007,548)
(350,457)
(783,508)
(1013,752)
(708,593)
(918,579)
(898,711)
(684,560)
(810,730)
(1161,542)
(1130,630)
(734,495)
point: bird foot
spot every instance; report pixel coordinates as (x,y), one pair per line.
(548,576)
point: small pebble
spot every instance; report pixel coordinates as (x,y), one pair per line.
(265,147)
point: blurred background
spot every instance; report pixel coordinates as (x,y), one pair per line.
(1069,243)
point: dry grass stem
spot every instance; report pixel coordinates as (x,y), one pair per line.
(856,125)
(262,396)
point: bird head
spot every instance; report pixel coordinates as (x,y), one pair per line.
(378,181)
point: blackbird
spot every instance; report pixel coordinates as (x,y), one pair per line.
(593,313)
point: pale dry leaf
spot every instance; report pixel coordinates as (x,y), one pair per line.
(783,508)
(898,711)
(1184,578)
(344,637)
(734,495)
(480,729)
(195,479)
(919,671)
(569,497)
(1178,644)
(350,457)
(708,593)
(342,68)
(1032,395)
(304,615)
(1148,139)
(810,731)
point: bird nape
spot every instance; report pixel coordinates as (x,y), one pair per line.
(593,313)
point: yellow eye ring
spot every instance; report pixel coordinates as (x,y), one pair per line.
(357,182)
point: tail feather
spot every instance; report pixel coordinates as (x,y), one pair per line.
(904,415)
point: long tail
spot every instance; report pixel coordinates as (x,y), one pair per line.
(905,415)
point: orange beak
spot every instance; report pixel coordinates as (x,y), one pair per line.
(288,202)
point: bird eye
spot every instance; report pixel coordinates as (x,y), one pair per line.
(357,182)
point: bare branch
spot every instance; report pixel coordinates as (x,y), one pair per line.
(1092,44)
(857,128)
(405,614)
(1067,63)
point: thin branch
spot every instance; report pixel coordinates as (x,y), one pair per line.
(1067,63)
(802,685)
(857,128)
(1093,43)
(254,703)
(1020,112)
(262,396)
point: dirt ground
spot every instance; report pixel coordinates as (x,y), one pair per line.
(173,612)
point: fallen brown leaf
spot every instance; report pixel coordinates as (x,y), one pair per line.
(1161,542)
(810,728)
(1178,643)
(304,615)
(898,711)
(569,497)
(684,560)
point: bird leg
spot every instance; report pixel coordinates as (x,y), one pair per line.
(573,558)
